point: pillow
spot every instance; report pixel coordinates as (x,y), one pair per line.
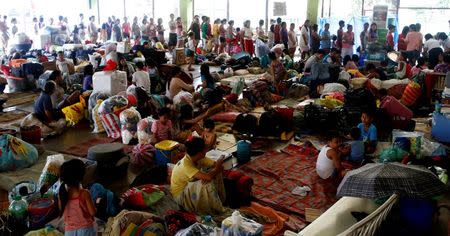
(358,83)
(241,72)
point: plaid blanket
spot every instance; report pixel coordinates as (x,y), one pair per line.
(276,174)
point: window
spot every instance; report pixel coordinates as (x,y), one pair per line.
(295,11)
(429,4)
(163,9)
(432,21)
(139,8)
(253,10)
(213,9)
(110,8)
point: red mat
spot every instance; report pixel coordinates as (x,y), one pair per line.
(81,149)
(276,174)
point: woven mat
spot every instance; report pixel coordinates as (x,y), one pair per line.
(10,116)
(276,174)
(19,98)
(81,149)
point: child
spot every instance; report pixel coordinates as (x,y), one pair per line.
(209,135)
(141,77)
(390,38)
(421,65)
(276,69)
(190,49)
(87,81)
(368,132)
(403,69)
(75,202)
(154,76)
(329,160)
(162,128)
(356,146)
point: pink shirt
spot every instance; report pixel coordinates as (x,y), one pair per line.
(76,215)
(413,41)
(348,39)
(162,132)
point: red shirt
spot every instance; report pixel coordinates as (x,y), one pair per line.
(390,39)
(276,33)
(401,43)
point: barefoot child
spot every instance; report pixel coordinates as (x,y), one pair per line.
(329,160)
(190,49)
(368,132)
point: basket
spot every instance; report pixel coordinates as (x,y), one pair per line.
(31,134)
(40,211)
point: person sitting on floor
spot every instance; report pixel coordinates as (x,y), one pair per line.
(329,160)
(374,72)
(277,70)
(421,65)
(333,58)
(356,146)
(443,67)
(162,128)
(87,80)
(403,69)
(175,85)
(209,135)
(208,82)
(287,60)
(368,132)
(141,77)
(194,187)
(317,57)
(44,114)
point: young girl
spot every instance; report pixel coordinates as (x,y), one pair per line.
(276,69)
(230,35)
(403,69)
(373,33)
(75,202)
(190,49)
(162,128)
(248,38)
(209,135)
(421,65)
(348,40)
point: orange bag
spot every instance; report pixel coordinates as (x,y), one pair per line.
(16,63)
(411,94)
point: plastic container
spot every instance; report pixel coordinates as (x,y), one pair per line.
(440,127)
(31,134)
(164,152)
(244,151)
(40,211)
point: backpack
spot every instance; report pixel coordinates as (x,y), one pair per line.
(238,189)
(245,124)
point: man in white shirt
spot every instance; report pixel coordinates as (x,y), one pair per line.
(141,77)
(432,49)
(430,43)
(173,32)
(62,64)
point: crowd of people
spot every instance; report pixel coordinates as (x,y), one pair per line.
(279,46)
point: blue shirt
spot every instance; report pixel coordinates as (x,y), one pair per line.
(370,134)
(357,151)
(325,43)
(42,104)
(87,83)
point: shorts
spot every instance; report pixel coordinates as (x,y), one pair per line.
(222,40)
(126,35)
(189,52)
(172,39)
(81,232)
(412,55)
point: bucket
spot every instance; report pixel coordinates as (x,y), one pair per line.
(40,212)
(163,152)
(31,134)
(244,151)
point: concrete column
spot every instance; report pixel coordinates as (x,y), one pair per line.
(187,12)
(312,11)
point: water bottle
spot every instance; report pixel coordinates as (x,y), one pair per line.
(437,106)
(207,220)
(18,208)
(243,151)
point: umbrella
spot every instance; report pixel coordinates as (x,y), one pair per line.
(380,180)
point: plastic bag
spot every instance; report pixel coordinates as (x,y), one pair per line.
(393,155)
(50,173)
(143,154)
(16,154)
(74,113)
(144,132)
(198,229)
(143,197)
(93,99)
(113,105)
(98,126)
(236,225)
(182,98)
(238,86)
(129,119)
(415,140)
(228,72)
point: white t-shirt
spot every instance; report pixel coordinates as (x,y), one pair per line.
(292,39)
(305,34)
(430,44)
(324,165)
(248,33)
(142,79)
(173,27)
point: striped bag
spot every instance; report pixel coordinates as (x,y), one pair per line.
(411,93)
(111,124)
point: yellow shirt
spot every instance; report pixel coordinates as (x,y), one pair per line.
(184,171)
(216,30)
